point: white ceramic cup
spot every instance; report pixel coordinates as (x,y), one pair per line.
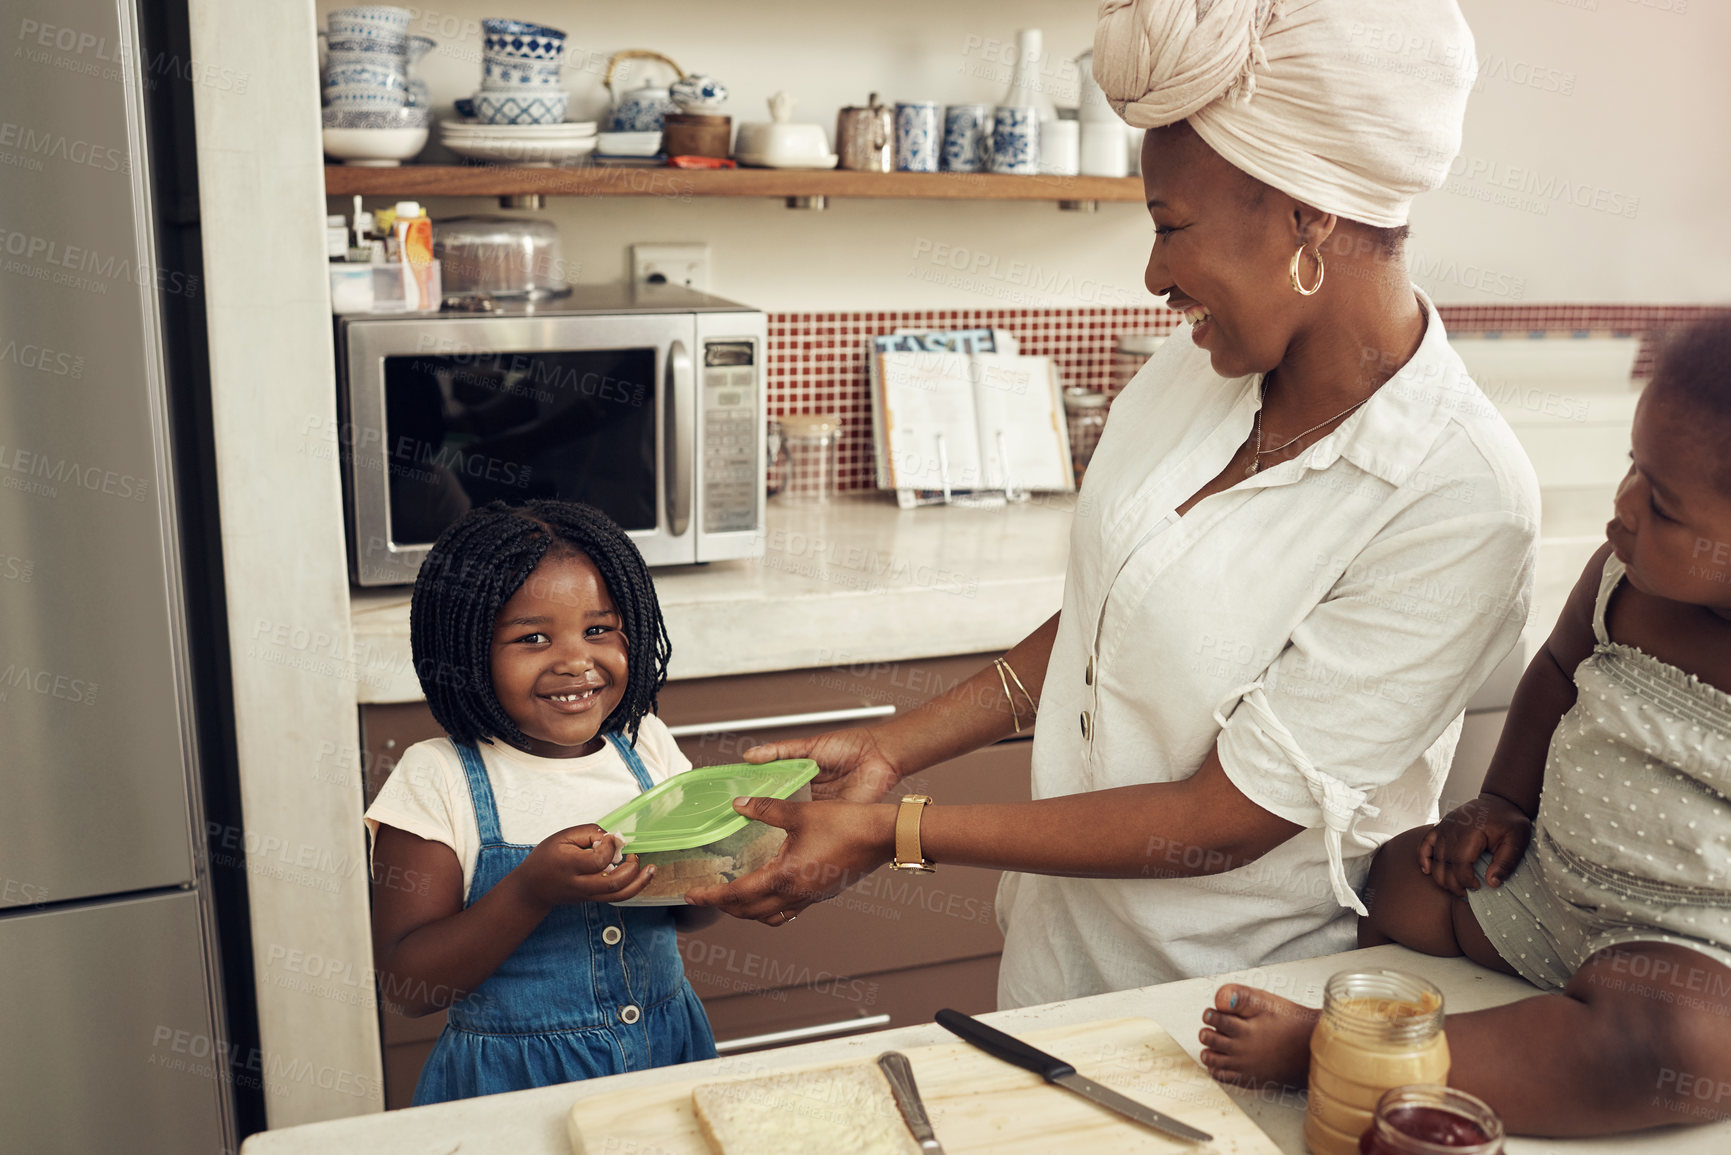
(1060,147)
(1105,152)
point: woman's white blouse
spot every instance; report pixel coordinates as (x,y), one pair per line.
(1322,624)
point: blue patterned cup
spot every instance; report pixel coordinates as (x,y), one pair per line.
(1016,141)
(917,136)
(365,86)
(523,106)
(967,138)
(370,22)
(521,40)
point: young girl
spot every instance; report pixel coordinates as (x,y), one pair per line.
(1611,885)
(540,647)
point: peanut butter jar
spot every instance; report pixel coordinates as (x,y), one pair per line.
(1379,1030)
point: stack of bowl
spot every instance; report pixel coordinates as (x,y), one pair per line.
(521,70)
(370,116)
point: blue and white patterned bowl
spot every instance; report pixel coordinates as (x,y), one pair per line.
(507,72)
(392,54)
(365,86)
(371,21)
(531,106)
(518,38)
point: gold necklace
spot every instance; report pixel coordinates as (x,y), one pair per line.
(1259,453)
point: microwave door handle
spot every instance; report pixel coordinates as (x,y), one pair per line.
(680,418)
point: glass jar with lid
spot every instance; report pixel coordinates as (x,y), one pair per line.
(1423,1118)
(1085,416)
(1379,1030)
(811,440)
(1129,353)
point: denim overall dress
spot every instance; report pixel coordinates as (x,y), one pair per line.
(594,990)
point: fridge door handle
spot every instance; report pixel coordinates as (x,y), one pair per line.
(681,423)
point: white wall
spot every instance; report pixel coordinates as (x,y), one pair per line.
(1639,94)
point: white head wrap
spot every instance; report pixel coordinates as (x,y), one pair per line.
(1351,106)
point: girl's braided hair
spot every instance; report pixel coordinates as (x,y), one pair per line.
(473,570)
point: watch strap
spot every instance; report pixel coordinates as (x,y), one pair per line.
(909,855)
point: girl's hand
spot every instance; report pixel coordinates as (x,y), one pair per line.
(830,846)
(853,766)
(581,864)
(1489,822)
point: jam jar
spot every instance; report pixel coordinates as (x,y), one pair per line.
(1424,1119)
(1379,1030)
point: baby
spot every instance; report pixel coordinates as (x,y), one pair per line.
(1596,863)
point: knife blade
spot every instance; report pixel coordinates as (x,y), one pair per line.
(900,1073)
(1055,1070)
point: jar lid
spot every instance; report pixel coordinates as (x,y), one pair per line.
(810,424)
(1140,342)
(1076,397)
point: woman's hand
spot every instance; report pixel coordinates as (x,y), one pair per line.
(582,864)
(853,765)
(829,847)
(1489,822)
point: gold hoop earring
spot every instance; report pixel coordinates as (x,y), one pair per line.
(1321,272)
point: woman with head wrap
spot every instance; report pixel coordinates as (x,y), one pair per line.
(1304,540)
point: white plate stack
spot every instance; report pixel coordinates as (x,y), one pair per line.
(521,144)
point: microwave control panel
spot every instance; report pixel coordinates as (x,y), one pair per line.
(730,430)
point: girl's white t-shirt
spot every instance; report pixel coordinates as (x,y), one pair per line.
(428,794)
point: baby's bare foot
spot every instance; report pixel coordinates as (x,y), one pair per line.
(1254,1038)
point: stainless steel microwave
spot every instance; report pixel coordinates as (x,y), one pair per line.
(646,403)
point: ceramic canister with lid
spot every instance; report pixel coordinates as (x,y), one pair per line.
(1379,1030)
(811,440)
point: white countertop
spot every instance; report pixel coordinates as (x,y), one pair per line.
(533,1122)
(857,581)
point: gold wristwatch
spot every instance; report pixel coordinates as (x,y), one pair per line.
(908,856)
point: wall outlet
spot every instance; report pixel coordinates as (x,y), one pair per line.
(684,265)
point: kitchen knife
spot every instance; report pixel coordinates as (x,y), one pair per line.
(900,1073)
(1055,1070)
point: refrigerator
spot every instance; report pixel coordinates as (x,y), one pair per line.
(114,1030)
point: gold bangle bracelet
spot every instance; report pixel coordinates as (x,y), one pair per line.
(1033,706)
(1015,715)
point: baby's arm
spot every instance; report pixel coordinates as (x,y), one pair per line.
(431,952)
(1500,818)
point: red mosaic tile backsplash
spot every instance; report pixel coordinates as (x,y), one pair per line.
(817,361)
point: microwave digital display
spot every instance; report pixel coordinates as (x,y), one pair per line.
(464,430)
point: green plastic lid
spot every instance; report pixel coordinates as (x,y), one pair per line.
(696,808)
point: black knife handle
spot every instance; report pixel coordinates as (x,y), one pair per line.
(1011,1050)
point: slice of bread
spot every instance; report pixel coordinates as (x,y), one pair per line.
(846,1108)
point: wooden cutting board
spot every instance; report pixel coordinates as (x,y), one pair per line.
(981,1104)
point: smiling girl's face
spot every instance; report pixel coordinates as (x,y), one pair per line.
(559,657)
(1673,523)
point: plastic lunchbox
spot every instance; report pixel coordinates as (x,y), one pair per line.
(687,828)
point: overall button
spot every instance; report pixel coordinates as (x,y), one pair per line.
(1087,723)
(629,1015)
(1088,675)
(612,935)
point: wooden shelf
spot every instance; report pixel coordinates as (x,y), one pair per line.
(429,180)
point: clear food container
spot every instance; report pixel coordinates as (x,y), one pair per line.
(687,829)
